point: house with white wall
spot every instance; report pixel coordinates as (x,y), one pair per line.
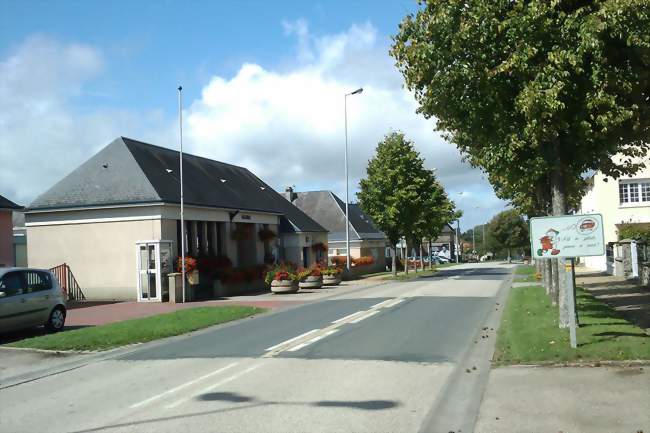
(115,220)
(620,201)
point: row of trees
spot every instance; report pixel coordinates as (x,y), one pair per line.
(536,94)
(403,197)
(506,233)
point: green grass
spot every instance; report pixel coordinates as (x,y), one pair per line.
(138,330)
(529,332)
(401,276)
(527,270)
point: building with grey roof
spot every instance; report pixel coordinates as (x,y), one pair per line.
(329,211)
(115,220)
(7,249)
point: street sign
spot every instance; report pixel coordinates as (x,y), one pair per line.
(567,236)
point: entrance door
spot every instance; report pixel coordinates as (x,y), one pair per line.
(148,275)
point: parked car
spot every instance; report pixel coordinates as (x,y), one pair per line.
(29,298)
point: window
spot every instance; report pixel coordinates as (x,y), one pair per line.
(12,284)
(37,281)
(634,191)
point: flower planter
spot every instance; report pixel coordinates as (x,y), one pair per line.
(331,280)
(193,277)
(284,286)
(311,282)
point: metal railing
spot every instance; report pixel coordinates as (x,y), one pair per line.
(68,282)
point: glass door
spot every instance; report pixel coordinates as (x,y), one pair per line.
(148,275)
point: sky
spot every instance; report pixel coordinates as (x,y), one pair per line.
(263,85)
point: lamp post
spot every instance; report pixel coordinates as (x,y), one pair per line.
(347,192)
(180,123)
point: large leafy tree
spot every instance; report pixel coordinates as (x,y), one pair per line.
(508,230)
(536,93)
(402,197)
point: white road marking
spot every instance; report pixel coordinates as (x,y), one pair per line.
(343,319)
(313,340)
(382,303)
(291,340)
(212,387)
(179,387)
(393,303)
(365,316)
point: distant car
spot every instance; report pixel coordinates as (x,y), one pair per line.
(30,298)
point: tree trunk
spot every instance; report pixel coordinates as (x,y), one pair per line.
(555,286)
(393,251)
(548,278)
(421,255)
(509,258)
(558,199)
(429,254)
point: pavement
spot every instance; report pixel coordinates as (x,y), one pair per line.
(370,358)
(392,357)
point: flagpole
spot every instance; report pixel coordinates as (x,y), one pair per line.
(180,122)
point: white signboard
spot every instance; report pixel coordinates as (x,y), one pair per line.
(567,236)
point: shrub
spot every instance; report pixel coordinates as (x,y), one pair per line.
(190,264)
(363,261)
(634,231)
(339,260)
(281,272)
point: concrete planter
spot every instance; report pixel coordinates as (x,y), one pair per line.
(284,286)
(331,280)
(311,282)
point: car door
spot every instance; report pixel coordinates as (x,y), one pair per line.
(37,296)
(13,306)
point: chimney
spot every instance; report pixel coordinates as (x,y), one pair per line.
(289,194)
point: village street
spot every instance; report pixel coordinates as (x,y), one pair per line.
(398,356)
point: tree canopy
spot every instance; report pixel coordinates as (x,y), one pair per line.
(534,93)
(508,230)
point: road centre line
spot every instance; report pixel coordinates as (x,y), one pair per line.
(313,340)
(343,319)
(382,303)
(393,302)
(179,387)
(370,314)
(291,340)
(212,387)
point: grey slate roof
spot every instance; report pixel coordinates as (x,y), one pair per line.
(5,203)
(132,172)
(329,211)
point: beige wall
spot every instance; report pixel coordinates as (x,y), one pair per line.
(293,245)
(603,198)
(102,256)
(6,239)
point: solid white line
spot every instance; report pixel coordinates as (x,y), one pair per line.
(393,303)
(370,314)
(313,340)
(284,343)
(211,387)
(343,319)
(186,384)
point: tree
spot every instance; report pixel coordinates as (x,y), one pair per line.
(399,193)
(534,93)
(509,231)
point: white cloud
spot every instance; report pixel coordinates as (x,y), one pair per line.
(285,123)
(288,126)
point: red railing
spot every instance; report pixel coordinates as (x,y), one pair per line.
(68,282)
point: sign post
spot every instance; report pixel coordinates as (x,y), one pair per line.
(566,237)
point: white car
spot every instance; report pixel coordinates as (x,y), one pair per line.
(30,298)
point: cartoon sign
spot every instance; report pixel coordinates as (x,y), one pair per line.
(567,236)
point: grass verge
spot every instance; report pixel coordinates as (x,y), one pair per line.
(527,270)
(529,332)
(105,337)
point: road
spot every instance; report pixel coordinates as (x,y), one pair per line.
(396,357)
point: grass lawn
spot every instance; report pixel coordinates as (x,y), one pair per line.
(138,330)
(421,273)
(529,331)
(527,270)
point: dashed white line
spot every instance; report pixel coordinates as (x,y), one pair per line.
(343,319)
(291,340)
(365,316)
(393,302)
(382,303)
(313,340)
(179,387)
(211,387)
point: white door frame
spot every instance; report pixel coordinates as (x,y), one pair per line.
(157,270)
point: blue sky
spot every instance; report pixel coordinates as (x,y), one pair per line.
(263,84)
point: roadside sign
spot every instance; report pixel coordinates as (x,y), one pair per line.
(567,236)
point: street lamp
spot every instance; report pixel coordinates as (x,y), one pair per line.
(347,192)
(180,124)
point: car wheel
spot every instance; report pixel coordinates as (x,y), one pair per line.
(56,320)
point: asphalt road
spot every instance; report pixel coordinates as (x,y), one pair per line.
(397,357)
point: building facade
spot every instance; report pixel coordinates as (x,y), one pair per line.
(7,250)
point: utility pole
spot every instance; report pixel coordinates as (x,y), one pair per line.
(180,124)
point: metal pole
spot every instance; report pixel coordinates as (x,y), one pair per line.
(347,199)
(180,122)
(473,240)
(457,239)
